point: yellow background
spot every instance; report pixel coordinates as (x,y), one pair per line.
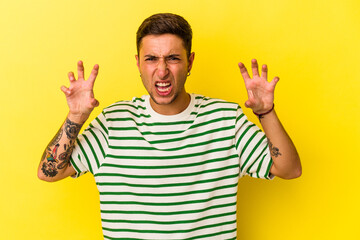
(312,45)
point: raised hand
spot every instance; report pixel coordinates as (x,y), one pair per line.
(260,91)
(80,94)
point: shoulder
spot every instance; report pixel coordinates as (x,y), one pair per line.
(134,105)
(126,110)
(213,103)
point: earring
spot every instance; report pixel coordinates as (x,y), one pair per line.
(189,73)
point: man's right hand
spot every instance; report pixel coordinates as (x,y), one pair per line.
(80,94)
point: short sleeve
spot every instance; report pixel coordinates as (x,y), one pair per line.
(252,147)
(91,147)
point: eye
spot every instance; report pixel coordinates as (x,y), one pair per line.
(150,59)
(173,59)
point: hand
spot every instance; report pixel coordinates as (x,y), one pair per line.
(260,91)
(80,94)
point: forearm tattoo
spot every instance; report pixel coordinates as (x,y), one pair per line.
(56,138)
(274,151)
(65,156)
(57,157)
(49,166)
(71,129)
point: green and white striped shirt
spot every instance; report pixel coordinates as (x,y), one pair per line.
(171,177)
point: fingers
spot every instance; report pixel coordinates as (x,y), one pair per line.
(94,73)
(71,77)
(247,104)
(65,90)
(80,69)
(264,71)
(275,81)
(94,102)
(254,67)
(243,71)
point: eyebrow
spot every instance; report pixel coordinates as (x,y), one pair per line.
(174,55)
(171,55)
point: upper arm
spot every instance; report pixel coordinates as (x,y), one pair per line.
(252,147)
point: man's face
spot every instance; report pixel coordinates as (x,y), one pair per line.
(163,64)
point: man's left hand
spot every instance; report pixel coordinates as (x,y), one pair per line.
(260,91)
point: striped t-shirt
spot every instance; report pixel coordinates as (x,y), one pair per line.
(171,177)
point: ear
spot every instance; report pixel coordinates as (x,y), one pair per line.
(137,61)
(191,61)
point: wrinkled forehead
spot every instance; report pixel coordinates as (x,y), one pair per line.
(162,45)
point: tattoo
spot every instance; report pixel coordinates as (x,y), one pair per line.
(53,162)
(65,156)
(63,164)
(274,151)
(49,167)
(71,129)
(56,138)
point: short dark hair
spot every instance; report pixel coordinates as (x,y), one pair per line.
(163,23)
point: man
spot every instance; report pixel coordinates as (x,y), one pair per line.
(167,164)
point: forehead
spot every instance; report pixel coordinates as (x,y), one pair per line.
(163,44)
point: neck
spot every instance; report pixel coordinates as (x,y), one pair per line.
(180,103)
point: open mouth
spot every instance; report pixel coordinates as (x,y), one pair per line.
(163,87)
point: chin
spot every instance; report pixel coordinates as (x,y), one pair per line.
(159,100)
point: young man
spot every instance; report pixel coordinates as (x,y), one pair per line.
(167,164)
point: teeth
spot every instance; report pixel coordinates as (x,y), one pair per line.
(162,84)
(164,89)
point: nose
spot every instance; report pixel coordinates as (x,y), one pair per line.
(162,69)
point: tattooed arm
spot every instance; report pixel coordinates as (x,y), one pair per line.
(286,161)
(55,162)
